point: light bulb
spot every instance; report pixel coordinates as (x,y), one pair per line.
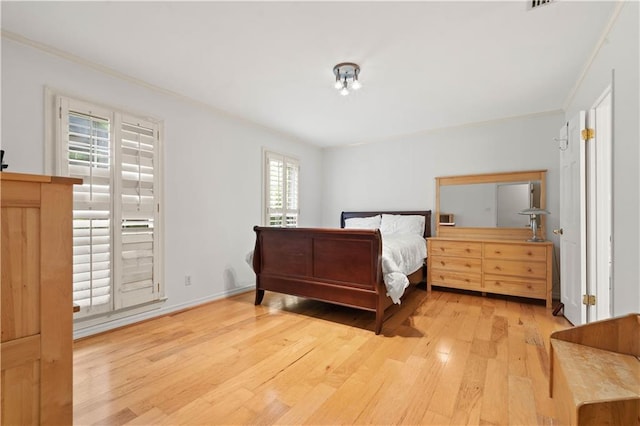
(345,87)
(338,84)
(355,85)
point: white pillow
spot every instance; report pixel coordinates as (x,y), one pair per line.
(402,224)
(372,222)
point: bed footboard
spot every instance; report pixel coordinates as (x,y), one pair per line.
(341,266)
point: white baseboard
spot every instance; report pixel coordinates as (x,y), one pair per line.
(132,316)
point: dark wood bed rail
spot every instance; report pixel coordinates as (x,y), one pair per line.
(341,266)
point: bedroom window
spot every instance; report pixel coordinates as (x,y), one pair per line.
(116,211)
(281,190)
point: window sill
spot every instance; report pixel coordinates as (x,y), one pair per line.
(87,326)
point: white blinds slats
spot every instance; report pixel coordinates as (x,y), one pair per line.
(281,190)
(275,183)
(292,194)
(138,210)
(292,186)
(276,186)
(87,154)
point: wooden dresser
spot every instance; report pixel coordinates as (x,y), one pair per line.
(511,267)
(37,308)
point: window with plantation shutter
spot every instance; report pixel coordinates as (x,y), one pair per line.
(281,190)
(137,153)
(116,210)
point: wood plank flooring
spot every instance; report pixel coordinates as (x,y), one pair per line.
(443,358)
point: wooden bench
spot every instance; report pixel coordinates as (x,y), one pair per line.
(595,372)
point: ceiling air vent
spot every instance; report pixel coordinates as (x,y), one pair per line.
(534,4)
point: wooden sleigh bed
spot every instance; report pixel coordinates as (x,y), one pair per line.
(341,266)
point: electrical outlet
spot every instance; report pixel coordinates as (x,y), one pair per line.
(187,280)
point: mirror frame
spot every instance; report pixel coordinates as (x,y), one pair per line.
(523,233)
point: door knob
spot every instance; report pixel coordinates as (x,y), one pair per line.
(558,231)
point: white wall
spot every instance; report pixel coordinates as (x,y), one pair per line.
(400,174)
(213,177)
(620,52)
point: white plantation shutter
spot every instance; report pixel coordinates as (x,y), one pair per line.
(138,209)
(116,209)
(281,190)
(275,184)
(291,191)
(85,152)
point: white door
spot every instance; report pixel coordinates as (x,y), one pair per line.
(603,116)
(573,280)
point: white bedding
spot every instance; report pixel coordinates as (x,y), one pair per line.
(402,255)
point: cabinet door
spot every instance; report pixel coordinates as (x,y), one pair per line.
(20,272)
(21,381)
(20,221)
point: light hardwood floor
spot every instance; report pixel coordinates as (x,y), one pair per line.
(446,358)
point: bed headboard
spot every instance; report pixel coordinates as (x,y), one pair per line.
(426,213)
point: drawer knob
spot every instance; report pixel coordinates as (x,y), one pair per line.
(497,268)
(529,270)
(497,252)
(442,263)
(529,253)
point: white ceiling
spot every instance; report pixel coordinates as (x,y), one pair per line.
(424,65)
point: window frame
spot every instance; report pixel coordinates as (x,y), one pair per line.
(287,160)
(56,163)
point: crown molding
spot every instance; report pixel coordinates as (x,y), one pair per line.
(594,53)
(139,82)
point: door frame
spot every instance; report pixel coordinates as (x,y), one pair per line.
(599,204)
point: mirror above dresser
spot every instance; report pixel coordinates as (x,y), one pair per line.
(489,205)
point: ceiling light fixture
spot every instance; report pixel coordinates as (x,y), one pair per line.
(347,77)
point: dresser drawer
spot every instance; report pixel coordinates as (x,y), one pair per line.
(456,279)
(459,264)
(456,248)
(517,268)
(515,251)
(536,289)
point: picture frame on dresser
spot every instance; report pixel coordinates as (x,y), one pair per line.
(474,253)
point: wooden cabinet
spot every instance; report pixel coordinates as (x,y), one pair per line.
(37,308)
(516,268)
(595,374)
